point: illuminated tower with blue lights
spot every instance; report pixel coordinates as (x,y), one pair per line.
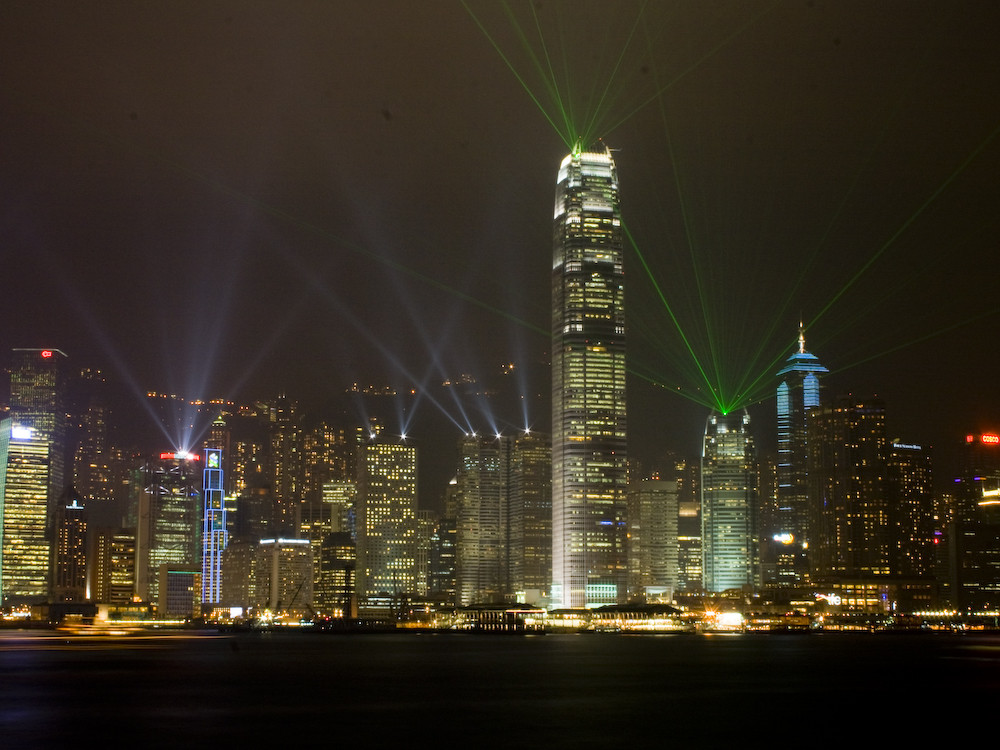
(214,535)
(797,395)
(588,384)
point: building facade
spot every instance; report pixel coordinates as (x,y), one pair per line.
(529,548)
(25,546)
(970,530)
(386,523)
(483,482)
(654,553)
(69,551)
(730,558)
(111,565)
(911,504)
(39,385)
(588,384)
(168,529)
(850,529)
(34,454)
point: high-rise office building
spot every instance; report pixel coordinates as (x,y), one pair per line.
(92,474)
(385,523)
(321,518)
(911,508)
(850,530)
(441,566)
(272,574)
(168,528)
(285,576)
(503,505)
(529,535)
(426,528)
(25,548)
(285,434)
(39,384)
(334,590)
(787,533)
(588,384)
(483,483)
(970,539)
(69,551)
(111,563)
(653,514)
(327,456)
(688,475)
(33,451)
(730,558)
(255,515)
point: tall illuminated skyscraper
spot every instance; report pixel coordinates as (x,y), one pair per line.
(33,448)
(728,503)
(797,395)
(167,530)
(654,553)
(25,547)
(529,545)
(214,536)
(386,523)
(39,381)
(588,384)
(69,551)
(483,515)
(850,528)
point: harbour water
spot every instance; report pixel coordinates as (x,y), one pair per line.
(486,691)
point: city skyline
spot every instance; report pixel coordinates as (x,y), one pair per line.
(288,362)
(326,198)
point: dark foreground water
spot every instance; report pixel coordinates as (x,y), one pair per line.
(479,691)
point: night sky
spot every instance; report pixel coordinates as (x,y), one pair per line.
(243,198)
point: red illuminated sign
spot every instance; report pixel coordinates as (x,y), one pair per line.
(993,439)
(970,438)
(167,455)
(47,353)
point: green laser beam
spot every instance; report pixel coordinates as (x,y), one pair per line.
(549,85)
(688,232)
(666,304)
(567,119)
(920,339)
(913,217)
(691,68)
(674,389)
(510,66)
(566,71)
(813,254)
(589,128)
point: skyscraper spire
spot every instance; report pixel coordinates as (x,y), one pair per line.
(802,337)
